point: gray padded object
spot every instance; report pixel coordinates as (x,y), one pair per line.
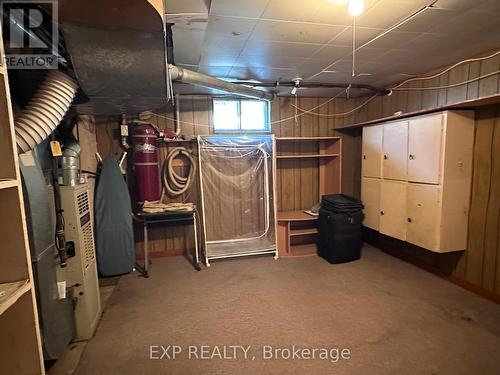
(113,222)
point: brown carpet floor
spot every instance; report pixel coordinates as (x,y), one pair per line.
(393,317)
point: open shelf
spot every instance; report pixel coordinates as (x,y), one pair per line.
(296,233)
(295,216)
(312,139)
(7,183)
(11,292)
(303,232)
(298,160)
(308,147)
(306,249)
(307,156)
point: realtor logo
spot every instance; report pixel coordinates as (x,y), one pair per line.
(30,34)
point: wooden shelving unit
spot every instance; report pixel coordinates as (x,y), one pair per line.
(303,232)
(307,156)
(20,345)
(297,231)
(7,183)
(11,292)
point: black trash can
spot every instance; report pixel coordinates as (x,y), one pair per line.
(340,238)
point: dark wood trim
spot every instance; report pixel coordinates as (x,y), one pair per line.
(475,289)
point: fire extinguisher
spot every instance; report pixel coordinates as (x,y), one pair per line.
(146,165)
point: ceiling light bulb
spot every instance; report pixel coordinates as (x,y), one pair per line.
(356,7)
(294,90)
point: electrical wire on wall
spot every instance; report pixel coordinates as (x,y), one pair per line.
(450,68)
(397,87)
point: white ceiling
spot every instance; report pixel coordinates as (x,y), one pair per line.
(277,40)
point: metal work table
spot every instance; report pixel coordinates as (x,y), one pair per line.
(176,217)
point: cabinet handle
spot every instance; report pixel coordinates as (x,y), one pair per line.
(385,157)
(364,157)
(381,212)
(409,220)
(411,156)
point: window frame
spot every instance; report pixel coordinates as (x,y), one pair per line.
(239,130)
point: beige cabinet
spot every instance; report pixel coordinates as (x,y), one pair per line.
(425,180)
(425,149)
(393,208)
(370,195)
(372,151)
(423,207)
(395,150)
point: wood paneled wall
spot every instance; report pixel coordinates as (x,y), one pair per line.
(480,264)
(428,98)
(196,119)
(287,122)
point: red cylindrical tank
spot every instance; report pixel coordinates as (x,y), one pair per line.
(147,175)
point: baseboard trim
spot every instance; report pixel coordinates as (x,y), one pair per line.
(480,291)
(414,254)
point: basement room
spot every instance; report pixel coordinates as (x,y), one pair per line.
(249,187)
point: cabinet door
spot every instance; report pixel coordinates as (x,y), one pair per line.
(395,150)
(370,195)
(424,149)
(372,151)
(393,209)
(424,215)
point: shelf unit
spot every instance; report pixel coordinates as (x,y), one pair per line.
(307,156)
(20,345)
(11,292)
(297,231)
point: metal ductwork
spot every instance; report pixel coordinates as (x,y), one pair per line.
(70,163)
(119,56)
(45,111)
(199,79)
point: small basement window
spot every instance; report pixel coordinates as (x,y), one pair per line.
(241,116)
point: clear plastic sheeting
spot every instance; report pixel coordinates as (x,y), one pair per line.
(237,191)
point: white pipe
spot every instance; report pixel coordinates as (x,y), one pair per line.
(177,116)
(203,80)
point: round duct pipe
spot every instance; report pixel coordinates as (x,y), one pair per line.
(70,163)
(199,79)
(45,111)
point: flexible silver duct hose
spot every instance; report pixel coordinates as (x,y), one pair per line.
(173,183)
(45,111)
